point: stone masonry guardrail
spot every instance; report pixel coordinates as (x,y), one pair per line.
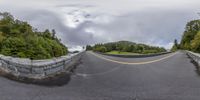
(38,69)
(194,56)
(135,56)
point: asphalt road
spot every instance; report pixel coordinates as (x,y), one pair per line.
(100,77)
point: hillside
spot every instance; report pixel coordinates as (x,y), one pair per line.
(20,39)
(126,46)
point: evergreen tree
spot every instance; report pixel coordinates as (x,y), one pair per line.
(175,46)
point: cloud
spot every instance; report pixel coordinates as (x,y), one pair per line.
(79,22)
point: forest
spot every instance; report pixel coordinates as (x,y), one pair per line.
(125,46)
(190,39)
(20,39)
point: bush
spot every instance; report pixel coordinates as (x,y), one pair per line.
(100,49)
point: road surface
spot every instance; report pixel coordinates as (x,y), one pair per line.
(100,77)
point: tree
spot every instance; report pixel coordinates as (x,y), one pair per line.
(20,39)
(47,34)
(88,47)
(102,49)
(6,22)
(190,32)
(1,37)
(13,46)
(53,33)
(195,45)
(175,46)
(127,46)
(119,47)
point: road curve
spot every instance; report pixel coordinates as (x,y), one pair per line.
(168,77)
(132,63)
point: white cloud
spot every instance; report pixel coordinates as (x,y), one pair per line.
(75,48)
(81,22)
(74,15)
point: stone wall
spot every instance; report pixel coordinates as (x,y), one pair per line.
(38,69)
(194,56)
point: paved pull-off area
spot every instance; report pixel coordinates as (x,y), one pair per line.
(99,77)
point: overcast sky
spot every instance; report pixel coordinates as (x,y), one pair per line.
(81,22)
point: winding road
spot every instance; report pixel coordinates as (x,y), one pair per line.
(98,77)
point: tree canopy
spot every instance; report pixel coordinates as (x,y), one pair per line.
(175,46)
(191,36)
(20,39)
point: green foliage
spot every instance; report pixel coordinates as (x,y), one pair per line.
(121,53)
(175,46)
(190,32)
(195,45)
(191,38)
(102,49)
(12,46)
(19,39)
(88,47)
(1,39)
(126,46)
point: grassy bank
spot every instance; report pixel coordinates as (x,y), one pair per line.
(122,53)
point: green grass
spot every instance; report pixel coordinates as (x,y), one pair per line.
(121,53)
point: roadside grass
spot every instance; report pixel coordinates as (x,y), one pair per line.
(122,53)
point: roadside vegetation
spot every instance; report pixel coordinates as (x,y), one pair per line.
(121,53)
(20,39)
(125,47)
(191,38)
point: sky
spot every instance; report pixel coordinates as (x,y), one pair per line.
(82,22)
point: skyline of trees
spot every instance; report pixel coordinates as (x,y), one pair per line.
(125,46)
